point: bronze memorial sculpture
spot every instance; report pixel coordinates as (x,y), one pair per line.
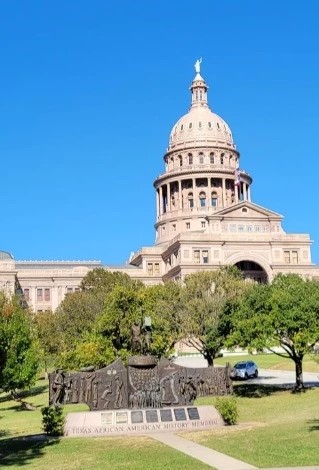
(146,381)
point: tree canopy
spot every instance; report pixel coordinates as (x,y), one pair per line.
(284,313)
(19,350)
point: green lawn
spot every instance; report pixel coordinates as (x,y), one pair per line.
(277,428)
(271,361)
(130,453)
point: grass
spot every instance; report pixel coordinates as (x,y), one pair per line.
(20,445)
(276,428)
(271,361)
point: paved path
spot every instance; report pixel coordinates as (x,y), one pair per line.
(204,454)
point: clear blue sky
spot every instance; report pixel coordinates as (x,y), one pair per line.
(90,91)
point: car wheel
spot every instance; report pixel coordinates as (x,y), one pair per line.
(256,374)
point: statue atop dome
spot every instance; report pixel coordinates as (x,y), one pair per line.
(197,65)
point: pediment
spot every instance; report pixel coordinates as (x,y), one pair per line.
(247,210)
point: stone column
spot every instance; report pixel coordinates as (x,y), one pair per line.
(168,196)
(209,188)
(161,200)
(195,193)
(224,191)
(236,188)
(248,192)
(157,204)
(180,197)
(245,191)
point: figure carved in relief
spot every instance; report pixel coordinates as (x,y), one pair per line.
(58,387)
(107,391)
(118,392)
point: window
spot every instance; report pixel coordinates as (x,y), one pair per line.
(200,125)
(182,127)
(249,228)
(205,256)
(188,225)
(47,296)
(190,159)
(190,201)
(69,290)
(150,269)
(218,126)
(156,268)
(294,257)
(201,158)
(232,228)
(174,227)
(202,199)
(26,293)
(209,125)
(257,228)
(214,199)
(203,224)
(190,125)
(241,228)
(39,295)
(222,159)
(212,159)
(180,160)
(196,256)
(287,257)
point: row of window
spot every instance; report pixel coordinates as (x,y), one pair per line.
(203,200)
(213,159)
(200,256)
(190,126)
(248,228)
(291,257)
(44,294)
(153,269)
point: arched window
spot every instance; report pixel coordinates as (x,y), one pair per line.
(180,160)
(190,200)
(209,125)
(230,160)
(190,125)
(201,158)
(212,158)
(214,199)
(202,199)
(222,159)
(190,159)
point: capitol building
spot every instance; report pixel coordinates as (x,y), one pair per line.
(205,219)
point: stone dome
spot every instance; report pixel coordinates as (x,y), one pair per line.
(200,124)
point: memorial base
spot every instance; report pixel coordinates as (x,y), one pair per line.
(112,423)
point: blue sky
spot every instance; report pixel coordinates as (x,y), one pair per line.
(90,91)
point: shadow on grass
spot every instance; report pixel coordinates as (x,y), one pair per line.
(257,391)
(313,425)
(25,393)
(19,451)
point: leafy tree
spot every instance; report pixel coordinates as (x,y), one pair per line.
(76,315)
(206,297)
(102,280)
(123,307)
(19,351)
(284,313)
(48,336)
(90,350)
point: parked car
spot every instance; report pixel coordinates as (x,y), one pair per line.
(244,370)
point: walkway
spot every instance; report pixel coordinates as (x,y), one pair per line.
(211,457)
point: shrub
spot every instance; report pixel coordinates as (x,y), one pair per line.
(53,420)
(228,410)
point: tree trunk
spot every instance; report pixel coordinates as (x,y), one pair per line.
(299,379)
(209,358)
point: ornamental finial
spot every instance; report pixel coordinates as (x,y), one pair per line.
(197,65)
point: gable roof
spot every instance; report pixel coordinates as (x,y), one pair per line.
(253,211)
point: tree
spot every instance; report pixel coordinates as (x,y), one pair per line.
(284,313)
(206,296)
(19,350)
(48,336)
(100,279)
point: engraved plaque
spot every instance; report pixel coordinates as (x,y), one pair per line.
(136,416)
(106,419)
(166,415)
(151,416)
(121,417)
(193,413)
(180,414)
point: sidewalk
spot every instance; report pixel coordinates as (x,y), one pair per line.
(211,457)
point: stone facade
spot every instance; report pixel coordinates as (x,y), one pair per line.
(205,219)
